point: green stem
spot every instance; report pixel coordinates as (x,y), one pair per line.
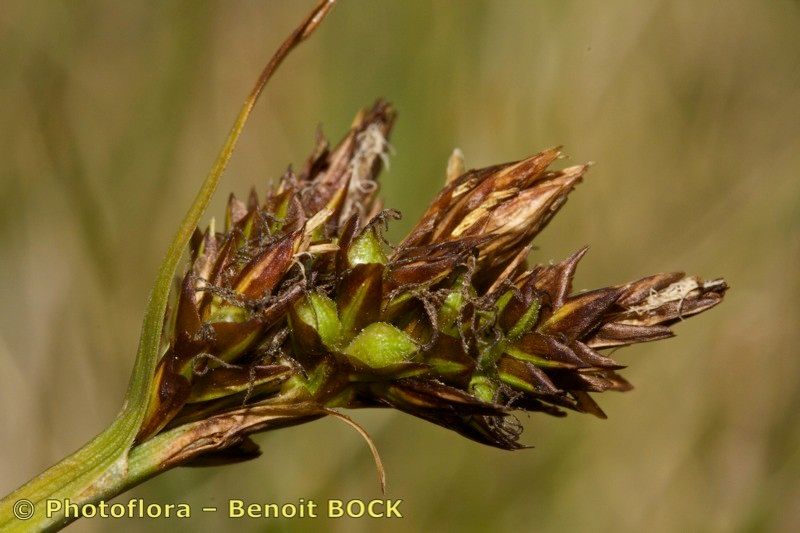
(104,465)
(155,456)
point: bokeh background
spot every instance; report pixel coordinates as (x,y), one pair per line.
(111,113)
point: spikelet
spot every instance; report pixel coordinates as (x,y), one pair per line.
(298,302)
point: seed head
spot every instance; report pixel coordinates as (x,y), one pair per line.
(298,302)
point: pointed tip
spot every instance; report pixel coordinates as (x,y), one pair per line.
(550,154)
(197,235)
(578,255)
(236,210)
(252,199)
(319,135)
(587,404)
(455,166)
(574,171)
(315,18)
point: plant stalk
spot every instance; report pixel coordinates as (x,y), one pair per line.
(105,466)
(155,456)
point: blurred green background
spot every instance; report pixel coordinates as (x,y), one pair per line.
(112,112)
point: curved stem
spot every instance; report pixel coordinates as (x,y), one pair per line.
(161,453)
(102,466)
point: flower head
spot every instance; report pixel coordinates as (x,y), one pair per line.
(298,303)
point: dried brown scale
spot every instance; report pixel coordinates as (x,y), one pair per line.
(301,303)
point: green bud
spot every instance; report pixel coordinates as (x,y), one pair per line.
(366,248)
(482,388)
(526,322)
(452,307)
(380,345)
(319,312)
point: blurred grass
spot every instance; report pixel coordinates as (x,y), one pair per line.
(113,112)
